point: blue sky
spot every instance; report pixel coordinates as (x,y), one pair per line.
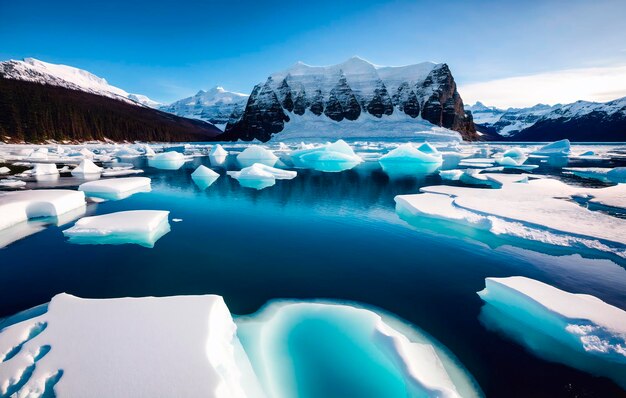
(168,50)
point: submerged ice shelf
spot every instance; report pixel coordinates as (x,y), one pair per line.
(577,330)
(142,227)
(316,349)
(189,346)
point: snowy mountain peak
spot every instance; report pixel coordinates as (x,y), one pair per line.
(34,70)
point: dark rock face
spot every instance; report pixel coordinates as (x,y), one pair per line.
(595,126)
(443,105)
(262,117)
(435,98)
(317,103)
(299,105)
(381,103)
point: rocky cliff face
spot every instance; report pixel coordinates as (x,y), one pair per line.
(353,93)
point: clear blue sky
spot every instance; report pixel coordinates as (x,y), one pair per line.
(171,49)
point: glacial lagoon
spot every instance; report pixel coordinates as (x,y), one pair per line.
(335,234)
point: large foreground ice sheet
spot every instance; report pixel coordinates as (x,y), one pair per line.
(142,227)
(17,207)
(305,349)
(183,346)
(537,210)
(578,330)
(115,188)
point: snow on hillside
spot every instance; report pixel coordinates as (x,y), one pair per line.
(34,70)
(216,105)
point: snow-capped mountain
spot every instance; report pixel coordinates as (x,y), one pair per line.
(353,99)
(36,71)
(216,105)
(581,120)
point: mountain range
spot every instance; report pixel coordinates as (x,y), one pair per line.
(353,99)
(578,121)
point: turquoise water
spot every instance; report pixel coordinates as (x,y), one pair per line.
(321,235)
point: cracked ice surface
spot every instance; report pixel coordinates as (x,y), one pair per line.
(182,346)
(538,210)
(578,330)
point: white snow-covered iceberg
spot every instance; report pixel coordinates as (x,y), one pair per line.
(217,155)
(334,157)
(577,330)
(315,349)
(537,210)
(115,188)
(11,183)
(256,154)
(4,170)
(142,227)
(204,177)
(182,346)
(261,176)
(87,169)
(167,160)
(20,206)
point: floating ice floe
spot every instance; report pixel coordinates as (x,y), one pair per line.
(261,176)
(44,172)
(537,210)
(182,346)
(142,227)
(577,330)
(4,170)
(148,151)
(204,177)
(119,172)
(115,188)
(615,175)
(256,154)
(167,160)
(87,169)
(408,160)
(217,155)
(334,157)
(20,206)
(558,148)
(8,183)
(313,349)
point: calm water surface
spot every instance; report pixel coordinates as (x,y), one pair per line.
(322,235)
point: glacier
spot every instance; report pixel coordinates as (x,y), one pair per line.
(142,227)
(577,330)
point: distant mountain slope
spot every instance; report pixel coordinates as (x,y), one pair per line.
(33,70)
(579,121)
(353,99)
(35,112)
(216,105)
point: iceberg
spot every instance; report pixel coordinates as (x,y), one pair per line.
(217,155)
(335,157)
(142,227)
(316,349)
(4,170)
(115,188)
(87,169)
(181,346)
(256,154)
(615,175)
(204,177)
(45,171)
(558,148)
(407,160)
(9,183)
(20,206)
(577,330)
(536,211)
(261,176)
(167,160)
